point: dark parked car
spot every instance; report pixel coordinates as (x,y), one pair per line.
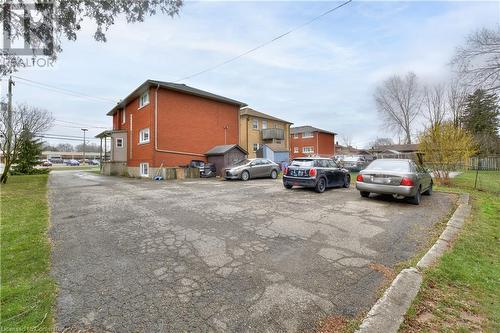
(253,168)
(206,169)
(72,163)
(315,172)
(400,177)
(354,163)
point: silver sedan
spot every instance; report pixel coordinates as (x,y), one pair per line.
(400,177)
(252,168)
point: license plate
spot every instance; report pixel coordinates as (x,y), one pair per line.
(298,173)
(381,180)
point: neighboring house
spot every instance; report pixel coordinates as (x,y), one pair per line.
(224,156)
(169,124)
(257,129)
(311,141)
(396,151)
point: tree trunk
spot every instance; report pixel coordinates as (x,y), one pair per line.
(5,173)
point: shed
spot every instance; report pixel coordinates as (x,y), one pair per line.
(274,152)
(225,155)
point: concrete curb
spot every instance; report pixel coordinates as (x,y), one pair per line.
(389,311)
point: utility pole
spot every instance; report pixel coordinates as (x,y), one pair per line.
(84,130)
(8,142)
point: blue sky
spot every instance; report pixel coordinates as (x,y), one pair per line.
(322,75)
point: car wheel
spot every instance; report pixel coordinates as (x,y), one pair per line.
(288,186)
(274,174)
(429,190)
(417,198)
(347,181)
(364,194)
(320,185)
(245,176)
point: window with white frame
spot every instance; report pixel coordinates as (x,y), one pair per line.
(308,150)
(295,150)
(119,142)
(255,146)
(264,124)
(255,123)
(144,99)
(307,135)
(144,169)
(296,135)
(124,116)
(144,135)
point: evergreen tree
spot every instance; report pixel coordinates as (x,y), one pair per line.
(29,150)
(481,119)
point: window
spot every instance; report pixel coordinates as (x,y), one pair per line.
(144,169)
(295,150)
(255,123)
(307,135)
(144,135)
(144,100)
(264,124)
(308,150)
(124,116)
(255,146)
(296,136)
(119,142)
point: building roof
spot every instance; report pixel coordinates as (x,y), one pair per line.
(302,129)
(412,147)
(175,87)
(276,147)
(254,113)
(222,149)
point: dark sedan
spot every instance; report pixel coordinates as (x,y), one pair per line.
(315,172)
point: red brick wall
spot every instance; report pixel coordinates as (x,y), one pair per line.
(186,123)
(323,144)
(326,144)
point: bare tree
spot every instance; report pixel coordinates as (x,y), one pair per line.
(24,118)
(381,142)
(456,97)
(346,140)
(65,147)
(478,60)
(399,100)
(434,103)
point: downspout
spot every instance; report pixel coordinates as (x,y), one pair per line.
(317,143)
(156,132)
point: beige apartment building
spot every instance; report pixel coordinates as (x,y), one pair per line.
(258,129)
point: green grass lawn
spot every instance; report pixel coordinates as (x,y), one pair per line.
(462,292)
(27,290)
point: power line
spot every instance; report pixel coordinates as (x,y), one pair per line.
(62,90)
(79,125)
(265,43)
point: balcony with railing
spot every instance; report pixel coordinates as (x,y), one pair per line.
(273,133)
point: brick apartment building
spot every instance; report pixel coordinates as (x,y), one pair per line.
(311,141)
(170,124)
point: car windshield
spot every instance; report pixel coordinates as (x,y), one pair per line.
(390,165)
(303,163)
(242,162)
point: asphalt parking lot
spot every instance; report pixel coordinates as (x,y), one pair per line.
(209,255)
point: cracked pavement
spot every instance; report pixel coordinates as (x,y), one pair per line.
(208,255)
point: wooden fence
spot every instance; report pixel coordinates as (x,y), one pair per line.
(491,163)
